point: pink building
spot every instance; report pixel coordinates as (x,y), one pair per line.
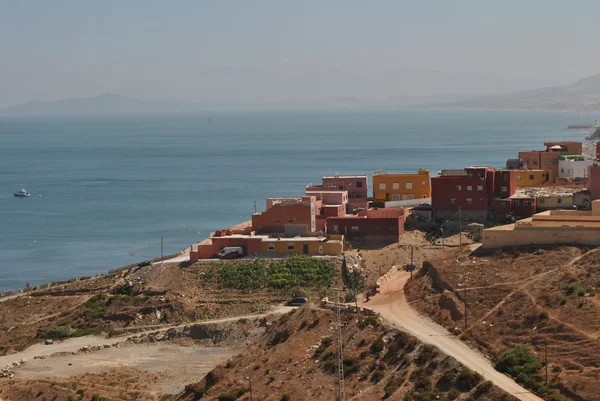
(355,185)
(594,181)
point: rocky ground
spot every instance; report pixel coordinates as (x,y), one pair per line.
(534,296)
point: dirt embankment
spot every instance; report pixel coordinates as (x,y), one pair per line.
(296,359)
(156,296)
(545,298)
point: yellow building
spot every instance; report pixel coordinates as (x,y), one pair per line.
(534,178)
(396,187)
(553,227)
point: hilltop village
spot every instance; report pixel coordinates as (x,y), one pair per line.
(543,197)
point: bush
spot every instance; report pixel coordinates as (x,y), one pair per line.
(377,346)
(280,336)
(286,397)
(58,332)
(196,389)
(325,343)
(468,378)
(452,394)
(227,397)
(519,363)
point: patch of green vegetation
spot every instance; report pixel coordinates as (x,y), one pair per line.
(197,390)
(227,397)
(86,331)
(521,364)
(325,343)
(280,336)
(392,385)
(57,333)
(259,307)
(377,346)
(468,379)
(283,274)
(95,307)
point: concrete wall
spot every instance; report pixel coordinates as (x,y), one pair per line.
(276,219)
(501,238)
(554,202)
(594,181)
(407,203)
(297,247)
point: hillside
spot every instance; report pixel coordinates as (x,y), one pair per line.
(533,297)
(296,360)
(582,95)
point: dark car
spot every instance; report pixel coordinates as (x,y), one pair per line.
(297,301)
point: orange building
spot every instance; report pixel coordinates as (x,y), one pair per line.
(288,217)
(548,159)
(396,187)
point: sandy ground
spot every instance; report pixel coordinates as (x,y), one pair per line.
(181,364)
(392,306)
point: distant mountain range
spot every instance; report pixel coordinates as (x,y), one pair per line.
(337,90)
(583,95)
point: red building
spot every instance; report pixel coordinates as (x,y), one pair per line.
(373,225)
(288,217)
(355,185)
(472,191)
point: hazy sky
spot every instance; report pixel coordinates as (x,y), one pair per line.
(176,49)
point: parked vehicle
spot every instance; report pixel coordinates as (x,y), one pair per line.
(297,301)
(231,252)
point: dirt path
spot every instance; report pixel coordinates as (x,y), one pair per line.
(391,304)
(74,344)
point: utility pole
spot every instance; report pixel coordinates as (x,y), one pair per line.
(101,264)
(465,307)
(161,252)
(254,207)
(148,250)
(340,396)
(250,380)
(460,227)
(412,260)
(546,358)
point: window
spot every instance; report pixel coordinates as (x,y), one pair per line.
(559,201)
(341,187)
(458,187)
(518,176)
(359,184)
(453,201)
(516,203)
(330,185)
(354,229)
(503,189)
(411,197)
(291,247)
(480,200)
(409,185)
(531,177)
(271,247)
(527,203)
(526,160)
(424,196)
(480,187)
(562,170)
(469,201)
(336,228)
(395,185)
(382,185)
(555,161)
(290,221)
(547,161)
(535,162)
(469,187)
(395,197)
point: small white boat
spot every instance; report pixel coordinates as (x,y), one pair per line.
(22,193)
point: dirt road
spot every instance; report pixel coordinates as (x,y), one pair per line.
(391,304)
(74,344)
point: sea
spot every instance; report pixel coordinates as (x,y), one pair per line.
(105,189)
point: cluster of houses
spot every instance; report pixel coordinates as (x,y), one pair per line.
(554,180)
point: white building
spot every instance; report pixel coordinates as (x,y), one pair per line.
(573,168)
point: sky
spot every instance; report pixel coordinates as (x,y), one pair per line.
(247,50)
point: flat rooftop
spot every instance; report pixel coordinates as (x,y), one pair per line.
(345,176)
(537,192)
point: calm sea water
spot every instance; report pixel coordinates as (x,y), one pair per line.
(111,186)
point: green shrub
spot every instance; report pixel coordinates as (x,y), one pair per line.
(285,397)
(196,389)
(468,378)
(452,394)
(227,397)
(86,331)
(519,363)
(377,346)
(325,343)
(58,332)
